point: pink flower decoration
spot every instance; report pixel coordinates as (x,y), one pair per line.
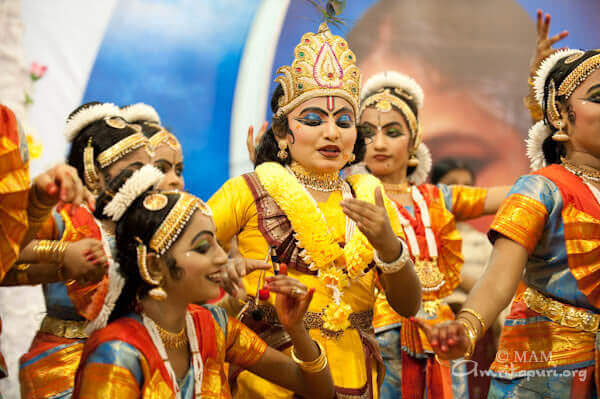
(37,71)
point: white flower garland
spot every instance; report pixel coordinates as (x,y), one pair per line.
(141,180)
(197,363)
(419,176)
(396,80)
(541,75)
(140,112)
(116,282)
(537,134)
(86,116)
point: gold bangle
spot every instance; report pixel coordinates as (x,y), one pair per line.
(47,251)
(313,366)
(37,211)
(22,275)
(471,334)
(476,314)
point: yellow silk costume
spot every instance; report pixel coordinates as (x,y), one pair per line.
(352,361)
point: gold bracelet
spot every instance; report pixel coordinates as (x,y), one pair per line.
(22,276)
(314,366)
(37,211)
(476,314)
(47,251)
(471,334)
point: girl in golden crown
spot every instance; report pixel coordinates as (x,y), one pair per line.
(333,235)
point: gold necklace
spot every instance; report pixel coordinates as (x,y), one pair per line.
(577,170)
(171,340)
(402,188)
(325,182)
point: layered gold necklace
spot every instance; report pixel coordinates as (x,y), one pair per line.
(402,188)
(178,340)
(585,173)
(326,182)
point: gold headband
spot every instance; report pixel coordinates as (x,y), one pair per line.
(176,219)
(384,100)
(323,66)
(122,148)
(166,137)
(579,74)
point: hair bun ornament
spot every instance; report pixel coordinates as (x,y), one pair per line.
(140,112)
(85,116)
(541,75)
(140,182)
(538,133)
(396,80)
(419,175)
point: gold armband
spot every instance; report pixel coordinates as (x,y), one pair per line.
(314,366)
(47,251)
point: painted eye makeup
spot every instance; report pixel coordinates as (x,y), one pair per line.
(367,130)
(162,166)
(310,119)
(394,132)
(593,97)
(202,246)
(344,121)
(179,170)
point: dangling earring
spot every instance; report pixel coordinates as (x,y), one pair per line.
(282,154)
(352,158)
(157,293)
(560,135)
(413,161)
(90,175)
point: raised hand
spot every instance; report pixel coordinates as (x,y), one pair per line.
(252,143)
(373,221)
(85,261)
(61,183)
(448,339)
(292,300)
(236,269)
(544,43)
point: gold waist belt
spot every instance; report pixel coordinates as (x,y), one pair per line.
(71,329)
(565,315)
(362,321)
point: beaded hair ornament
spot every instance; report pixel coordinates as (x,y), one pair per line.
(389,89)
(111,115)
(323,66)
(568,69)
(167,233)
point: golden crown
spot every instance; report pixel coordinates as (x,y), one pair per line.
(323,66)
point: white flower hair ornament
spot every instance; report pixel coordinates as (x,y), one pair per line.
(535,139)
(419,175)
(141,181)
(405,84)
(84,117)
(539,82)
(140,112)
